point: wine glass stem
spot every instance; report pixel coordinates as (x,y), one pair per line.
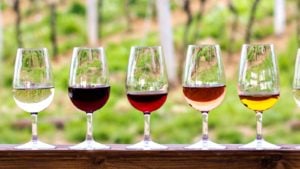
(259,125)
(34,126)
(147,126)
(89,131)
(204,125)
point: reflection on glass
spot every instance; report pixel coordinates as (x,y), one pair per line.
(89,88)
(204,86)
(258,86)
(33,88)
(147,88)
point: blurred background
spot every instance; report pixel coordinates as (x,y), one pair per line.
(117,25)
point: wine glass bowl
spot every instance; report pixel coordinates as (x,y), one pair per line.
(204,98)
(204,86)
(89,88)
(146,87)
(33,88)
(258,86)
(296,81)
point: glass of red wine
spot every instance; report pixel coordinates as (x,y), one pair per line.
(204,86)
(147,88)
(33,88)
(89,88)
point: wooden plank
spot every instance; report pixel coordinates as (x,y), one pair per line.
(176,158)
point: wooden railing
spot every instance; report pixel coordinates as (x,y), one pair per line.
(174,158)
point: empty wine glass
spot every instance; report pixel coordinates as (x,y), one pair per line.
(89,88)
(33,88)
(204,86)
(258,86)
(296,82)
(147,87)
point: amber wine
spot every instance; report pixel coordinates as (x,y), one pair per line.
(259,102)
(33,99)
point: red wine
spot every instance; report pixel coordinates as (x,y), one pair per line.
(204,98)
(89,99)
(147,101)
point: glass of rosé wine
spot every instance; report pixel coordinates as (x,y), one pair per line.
(204,86)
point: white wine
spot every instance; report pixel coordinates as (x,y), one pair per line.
(259,102)
(33,99)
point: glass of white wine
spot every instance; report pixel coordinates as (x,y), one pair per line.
(258,86)
(33,88)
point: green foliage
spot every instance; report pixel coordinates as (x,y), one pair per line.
(70,25)
(140,7)
(264,8)
(214,24)
(286,62)
(61,77)
(243,7)
(77,8)
(76,129)
(3,6)
(111,28)
(261,32)
(230,135)
(116,54)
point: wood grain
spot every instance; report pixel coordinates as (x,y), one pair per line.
(175,157)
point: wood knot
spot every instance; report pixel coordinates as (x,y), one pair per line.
(99,161)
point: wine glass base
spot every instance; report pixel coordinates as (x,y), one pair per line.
(89,145)
(146,145)
(205,145)
(35,145)
(259,145)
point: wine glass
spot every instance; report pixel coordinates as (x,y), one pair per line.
(89,88)
(258,86)
(296,82)
(147,87)
(204,86)
(33,88)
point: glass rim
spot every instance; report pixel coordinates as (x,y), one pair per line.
(258,44)
(33,49)
(141,46)
(204,45)
(83,47)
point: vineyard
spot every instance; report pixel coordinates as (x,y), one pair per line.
(61,25)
